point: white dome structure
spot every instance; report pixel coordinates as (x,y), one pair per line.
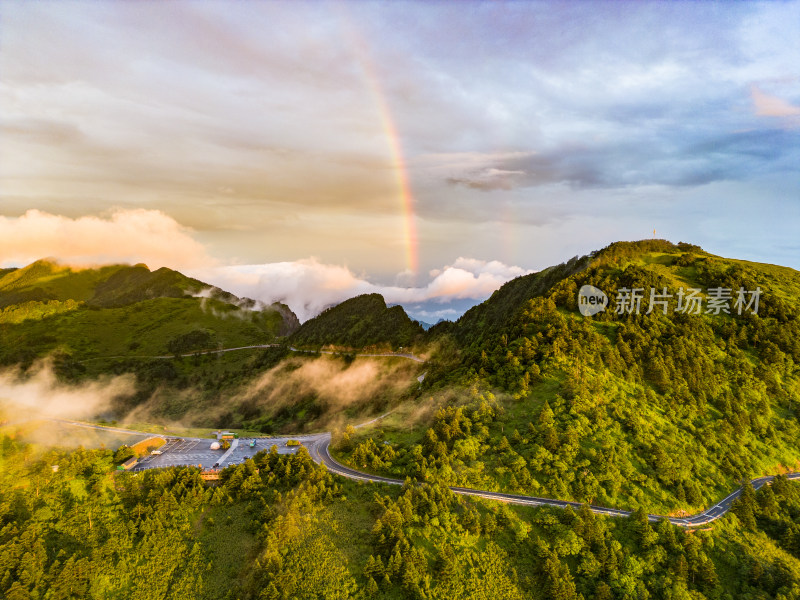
(215,446)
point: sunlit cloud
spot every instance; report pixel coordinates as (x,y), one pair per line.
(766,105)
(124,236)
(309,286)
(273,147)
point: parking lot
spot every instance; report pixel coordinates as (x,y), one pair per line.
(182,452)
(242,451)
(196,452)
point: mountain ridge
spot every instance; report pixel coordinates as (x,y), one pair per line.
(654,409)
(47,307)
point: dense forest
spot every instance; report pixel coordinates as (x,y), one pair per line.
(280,527)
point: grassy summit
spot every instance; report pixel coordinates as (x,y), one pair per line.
(46,280)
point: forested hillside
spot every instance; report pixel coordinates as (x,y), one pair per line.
(359,323)
(662,411)
(119,310)
(279,526)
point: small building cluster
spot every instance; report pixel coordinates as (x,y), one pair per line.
(128,464)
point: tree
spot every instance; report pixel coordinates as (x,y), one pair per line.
(559,584)
(681,568)
(346,443)
(446,564)
(603,592)
(372,588)
(123,453)
(745,506)
(17,592)
(374,567)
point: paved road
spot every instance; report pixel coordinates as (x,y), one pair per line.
(292,348)
(168,356)
(396,354)
(373,420)
(144,434)
(319,450)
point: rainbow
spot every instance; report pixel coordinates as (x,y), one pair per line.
(401,176)
(398,162)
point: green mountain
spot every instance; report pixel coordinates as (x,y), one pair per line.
(358,323)
(114,285)
(485,319)
(122,310)
(664,411)
(491,315)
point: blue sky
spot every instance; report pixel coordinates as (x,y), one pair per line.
(256,133)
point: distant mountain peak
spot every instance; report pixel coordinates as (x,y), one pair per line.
(360,322)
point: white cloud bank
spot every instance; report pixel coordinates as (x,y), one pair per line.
(125,236)
(308,286)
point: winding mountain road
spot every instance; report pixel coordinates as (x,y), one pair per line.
(256,347)
(318,448)
(390,354)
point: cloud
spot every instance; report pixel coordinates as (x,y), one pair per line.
(125,236)
(766,105)
(309,286)
(489,179)
(333,385)
(508,116)
(465,278)
(40,394)
(656,157)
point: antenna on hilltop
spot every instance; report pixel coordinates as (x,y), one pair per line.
(654,234)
